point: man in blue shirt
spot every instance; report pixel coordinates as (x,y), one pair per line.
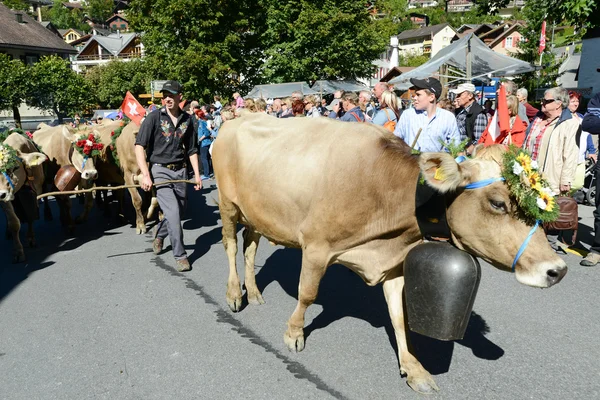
(353,111)
(426,127)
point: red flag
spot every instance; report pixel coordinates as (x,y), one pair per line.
(499,126)
(133,109)
(542,38)
(182,104)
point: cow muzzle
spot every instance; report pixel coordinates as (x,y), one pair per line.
(6,195)
(543,275)
(91,174)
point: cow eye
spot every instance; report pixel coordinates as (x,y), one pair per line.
(498,205)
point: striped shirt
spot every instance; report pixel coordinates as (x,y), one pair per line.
(441,127)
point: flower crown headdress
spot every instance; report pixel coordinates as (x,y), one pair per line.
(88,145)
(8,158)
(526,185)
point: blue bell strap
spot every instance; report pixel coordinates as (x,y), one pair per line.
(460,159)
(483,183)
(525,243)
(10,182)
(85,158)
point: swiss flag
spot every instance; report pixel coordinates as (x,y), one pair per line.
(542,39)
(499,126)
(133,109)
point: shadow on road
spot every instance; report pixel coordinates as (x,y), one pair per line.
(342,293)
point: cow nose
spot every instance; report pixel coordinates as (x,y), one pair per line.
(3,195)
(90,175)
(555,275)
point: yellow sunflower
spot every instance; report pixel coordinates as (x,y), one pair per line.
(548,199)
(525,162)
(535,181)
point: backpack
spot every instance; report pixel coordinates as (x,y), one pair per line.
(389,125)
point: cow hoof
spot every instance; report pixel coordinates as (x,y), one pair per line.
(255,299)
(234,304)
(424,385)
(296,343)
(140,230)
(19,258)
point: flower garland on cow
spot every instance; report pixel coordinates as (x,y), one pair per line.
(114,135)
(530,190)
(89,146)
(9,160)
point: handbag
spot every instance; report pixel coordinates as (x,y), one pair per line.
(568,218)
(390,125)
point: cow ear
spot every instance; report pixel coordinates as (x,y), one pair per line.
(71,137)
(442,172)
(33,159)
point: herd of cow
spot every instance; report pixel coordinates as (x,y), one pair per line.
(342,192)
(56,147)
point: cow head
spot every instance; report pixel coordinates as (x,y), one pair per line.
(12,170)
(487,222)
(84,163)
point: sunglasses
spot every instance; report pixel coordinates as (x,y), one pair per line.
(547,101)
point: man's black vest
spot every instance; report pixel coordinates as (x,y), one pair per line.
(472,114)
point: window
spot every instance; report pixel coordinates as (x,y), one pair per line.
(509,42)
(30,60)
(123,26)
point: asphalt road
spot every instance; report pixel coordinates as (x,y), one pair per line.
(98,315)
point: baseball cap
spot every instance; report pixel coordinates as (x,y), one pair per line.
(432,84)
(463,87)
(171,87)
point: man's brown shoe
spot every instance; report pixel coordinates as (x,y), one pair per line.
(183,265)
(591,260)
(157,245)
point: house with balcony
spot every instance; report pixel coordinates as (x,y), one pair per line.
(428,40)
(505,39)
(460,5)
(101,49)
(422,3)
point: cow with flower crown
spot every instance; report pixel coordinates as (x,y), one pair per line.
(67,146)
(21,178)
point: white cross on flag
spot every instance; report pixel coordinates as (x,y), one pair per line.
(133,109)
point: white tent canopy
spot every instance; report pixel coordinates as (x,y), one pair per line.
(468,54)
(279,90)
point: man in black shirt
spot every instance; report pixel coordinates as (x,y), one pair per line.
(167,136)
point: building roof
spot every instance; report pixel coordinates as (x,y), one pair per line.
(506,32)
(29,35)
(113,43)
(73,5)
(422,32)
(108,21)
(65,31)
(567,72)
(394,72)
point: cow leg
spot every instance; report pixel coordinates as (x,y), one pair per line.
(251,239)
(153,205)
(313,269)
(47,210)
(64,205)
(417,377)
(88,205)
(13,225)
(229,217)
(136,199)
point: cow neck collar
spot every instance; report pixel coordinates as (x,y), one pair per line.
(430,211)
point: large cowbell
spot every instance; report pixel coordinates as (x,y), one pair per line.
(440,284)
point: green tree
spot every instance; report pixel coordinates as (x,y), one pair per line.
(63,18)
(16,4)
(99,10)
(210,46)
(111,81)
(307,40)
(14,78)
(58,88)
(490,7)
(224,46)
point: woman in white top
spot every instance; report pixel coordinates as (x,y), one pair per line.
(310,106)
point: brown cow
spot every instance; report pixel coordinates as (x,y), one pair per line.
(58,144)
(109,172)
(27,171)
(345,193)
(126,150)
